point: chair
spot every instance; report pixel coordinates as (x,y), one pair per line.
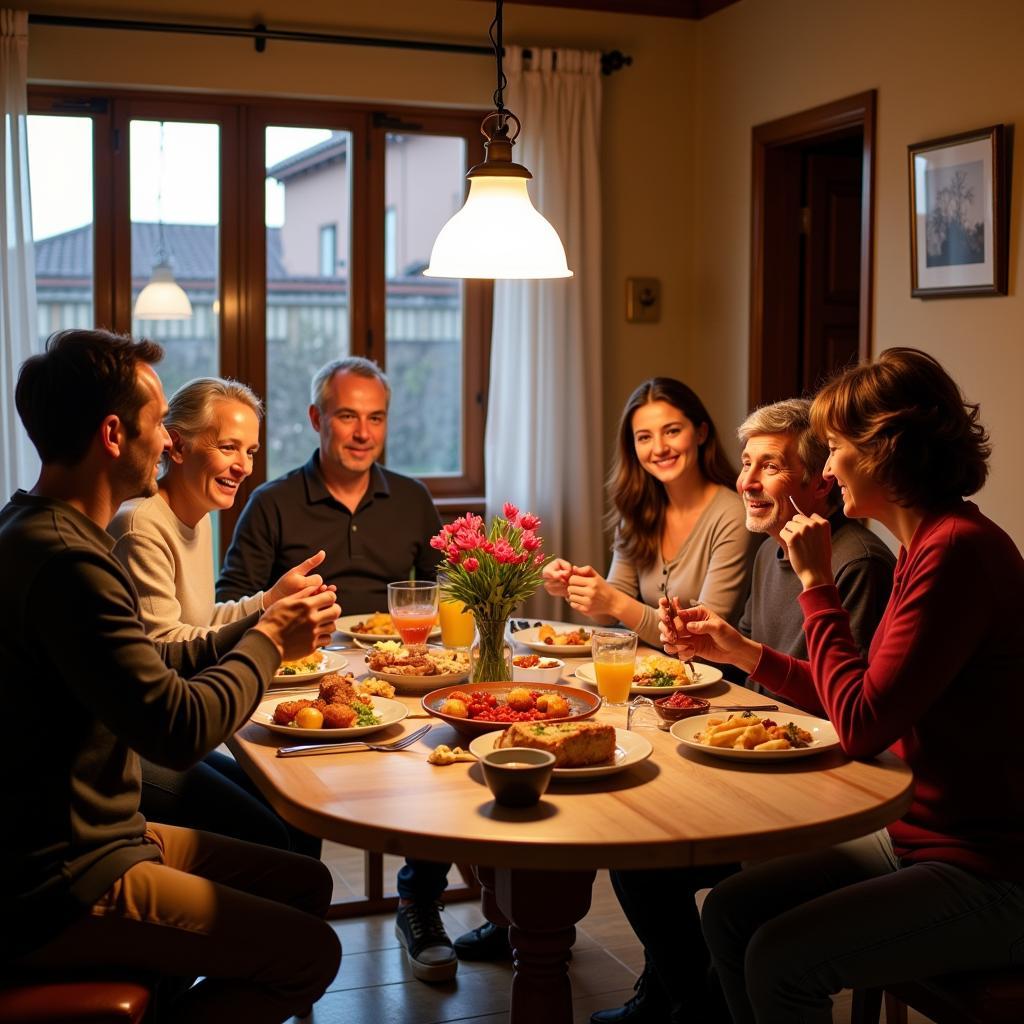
(976,997)
(73,1001)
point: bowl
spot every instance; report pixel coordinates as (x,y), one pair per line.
(517,776)
(690,706)
(548,670)
(582,704)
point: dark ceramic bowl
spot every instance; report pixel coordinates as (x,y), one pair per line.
(667,713)
(517,776)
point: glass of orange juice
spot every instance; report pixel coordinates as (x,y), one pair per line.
(413,608)
(614,654)
(457,625)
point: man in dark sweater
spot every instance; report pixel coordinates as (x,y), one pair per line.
(375,526)
(88,883)
(781,471)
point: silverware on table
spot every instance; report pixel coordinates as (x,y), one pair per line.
(338,748)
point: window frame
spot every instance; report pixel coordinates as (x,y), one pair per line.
(242,319)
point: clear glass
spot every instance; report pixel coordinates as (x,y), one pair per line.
(308,195)
(175,212)
(490,660)
(413,608)
(60,176)
(424,185)
(457,624)
(614,664)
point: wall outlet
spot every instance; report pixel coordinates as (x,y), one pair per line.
(643,300)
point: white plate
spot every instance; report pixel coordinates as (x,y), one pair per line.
(825,737)
(388,711)
(419,684)
(528,637)
(630,748)
(706,675)
(346,622)
(332,662)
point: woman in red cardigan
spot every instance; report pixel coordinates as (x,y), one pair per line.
(942,686)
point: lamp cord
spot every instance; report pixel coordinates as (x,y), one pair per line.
(499,52)
(161,252)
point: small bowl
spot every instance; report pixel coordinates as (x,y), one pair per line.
(667,713)
(517,776)
(549,670)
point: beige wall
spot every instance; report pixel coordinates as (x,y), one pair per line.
(940,67)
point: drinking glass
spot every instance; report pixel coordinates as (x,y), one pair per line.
(614,664)
(457,623)
(413,608)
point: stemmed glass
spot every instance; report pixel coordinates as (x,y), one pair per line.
(614,655)
(413,608)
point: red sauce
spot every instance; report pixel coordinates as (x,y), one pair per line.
(681,700)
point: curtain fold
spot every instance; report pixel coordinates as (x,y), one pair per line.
(18,462)
(544,427)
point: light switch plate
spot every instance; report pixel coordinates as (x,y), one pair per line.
(643,300)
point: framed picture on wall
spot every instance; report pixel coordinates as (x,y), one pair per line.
(959,215)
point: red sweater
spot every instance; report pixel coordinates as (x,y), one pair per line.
(942,687)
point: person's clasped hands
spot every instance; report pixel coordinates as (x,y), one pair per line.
(302,615)
(582,586)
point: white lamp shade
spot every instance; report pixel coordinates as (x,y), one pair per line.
(498,234)
(163,298)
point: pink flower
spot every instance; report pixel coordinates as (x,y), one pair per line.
(468,539)
(511,512)
(488,547)
(449,527)
(471,565)
(538,559)
(474,522)
(439,542)
(531,542)
(528,522)
(504,552)
(454,554)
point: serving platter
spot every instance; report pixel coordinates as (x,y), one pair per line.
(824,733)
(630,748)
(416,684)
(388,711)
(529,638)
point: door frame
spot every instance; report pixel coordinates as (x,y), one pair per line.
(769,142)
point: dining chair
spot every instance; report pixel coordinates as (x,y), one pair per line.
(68,1000)
(974,997)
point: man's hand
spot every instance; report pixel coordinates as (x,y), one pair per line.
(588,592)
(700,633)
(808,541)
(294,580)
(299,624)
(556,576)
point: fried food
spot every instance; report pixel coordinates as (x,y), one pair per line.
(339,706)
(285,712)
(449,755)
(574,638)
(395,659)
(309,718)
(657,670)
(336,688)
(574,744)
(748,732)
(338,716)
(375,688)
(377,624)
(519,698)
(302,666)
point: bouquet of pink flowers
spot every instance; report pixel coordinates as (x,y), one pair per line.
(491,573)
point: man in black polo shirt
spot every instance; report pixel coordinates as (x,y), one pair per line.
(375,526)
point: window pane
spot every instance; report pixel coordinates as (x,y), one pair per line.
(424,186)
(60,175)
(308,204)
(175,216)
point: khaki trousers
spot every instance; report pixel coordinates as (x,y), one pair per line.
(247,918)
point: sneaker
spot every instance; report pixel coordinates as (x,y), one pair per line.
(488,942)
(644,1007)
(427,946)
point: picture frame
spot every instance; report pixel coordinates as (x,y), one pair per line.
(959,215)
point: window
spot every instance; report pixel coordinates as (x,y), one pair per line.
(235,193)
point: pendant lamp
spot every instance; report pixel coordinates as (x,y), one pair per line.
(163,298)
(498,233)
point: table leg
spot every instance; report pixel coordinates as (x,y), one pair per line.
(541,909)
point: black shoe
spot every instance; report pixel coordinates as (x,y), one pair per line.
(427,946)
(644,1007)
(488,942)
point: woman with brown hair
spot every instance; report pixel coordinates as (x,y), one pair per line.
(678,521)
(942,889)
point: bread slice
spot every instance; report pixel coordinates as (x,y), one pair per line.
(574,744)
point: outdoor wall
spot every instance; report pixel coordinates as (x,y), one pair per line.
(940,68)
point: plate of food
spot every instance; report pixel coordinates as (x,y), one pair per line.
(335,711)
(745,736)
(475,708)
(416,673)
(582,749)
(560,638)
(308,669)
(656,675)
(368,629)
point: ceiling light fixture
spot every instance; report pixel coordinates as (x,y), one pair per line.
(163,298)
(498,233)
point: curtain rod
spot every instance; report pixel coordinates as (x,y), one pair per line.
(610,62)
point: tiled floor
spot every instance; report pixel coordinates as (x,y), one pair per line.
(375,985)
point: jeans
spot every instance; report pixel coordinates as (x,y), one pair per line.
(422,881)
(787,934)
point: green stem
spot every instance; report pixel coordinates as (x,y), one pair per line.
(490,664)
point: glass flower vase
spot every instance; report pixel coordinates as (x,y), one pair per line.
(490,658)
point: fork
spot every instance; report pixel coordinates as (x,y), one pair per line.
(335,748)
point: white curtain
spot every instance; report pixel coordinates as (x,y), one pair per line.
(544,427)
(18,463)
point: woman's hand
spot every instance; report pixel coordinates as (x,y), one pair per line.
(556,577)
(588,592)
(294,580)
(808,541)
(299,624)
(701,633)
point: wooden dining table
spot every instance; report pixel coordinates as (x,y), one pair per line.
(679,807)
